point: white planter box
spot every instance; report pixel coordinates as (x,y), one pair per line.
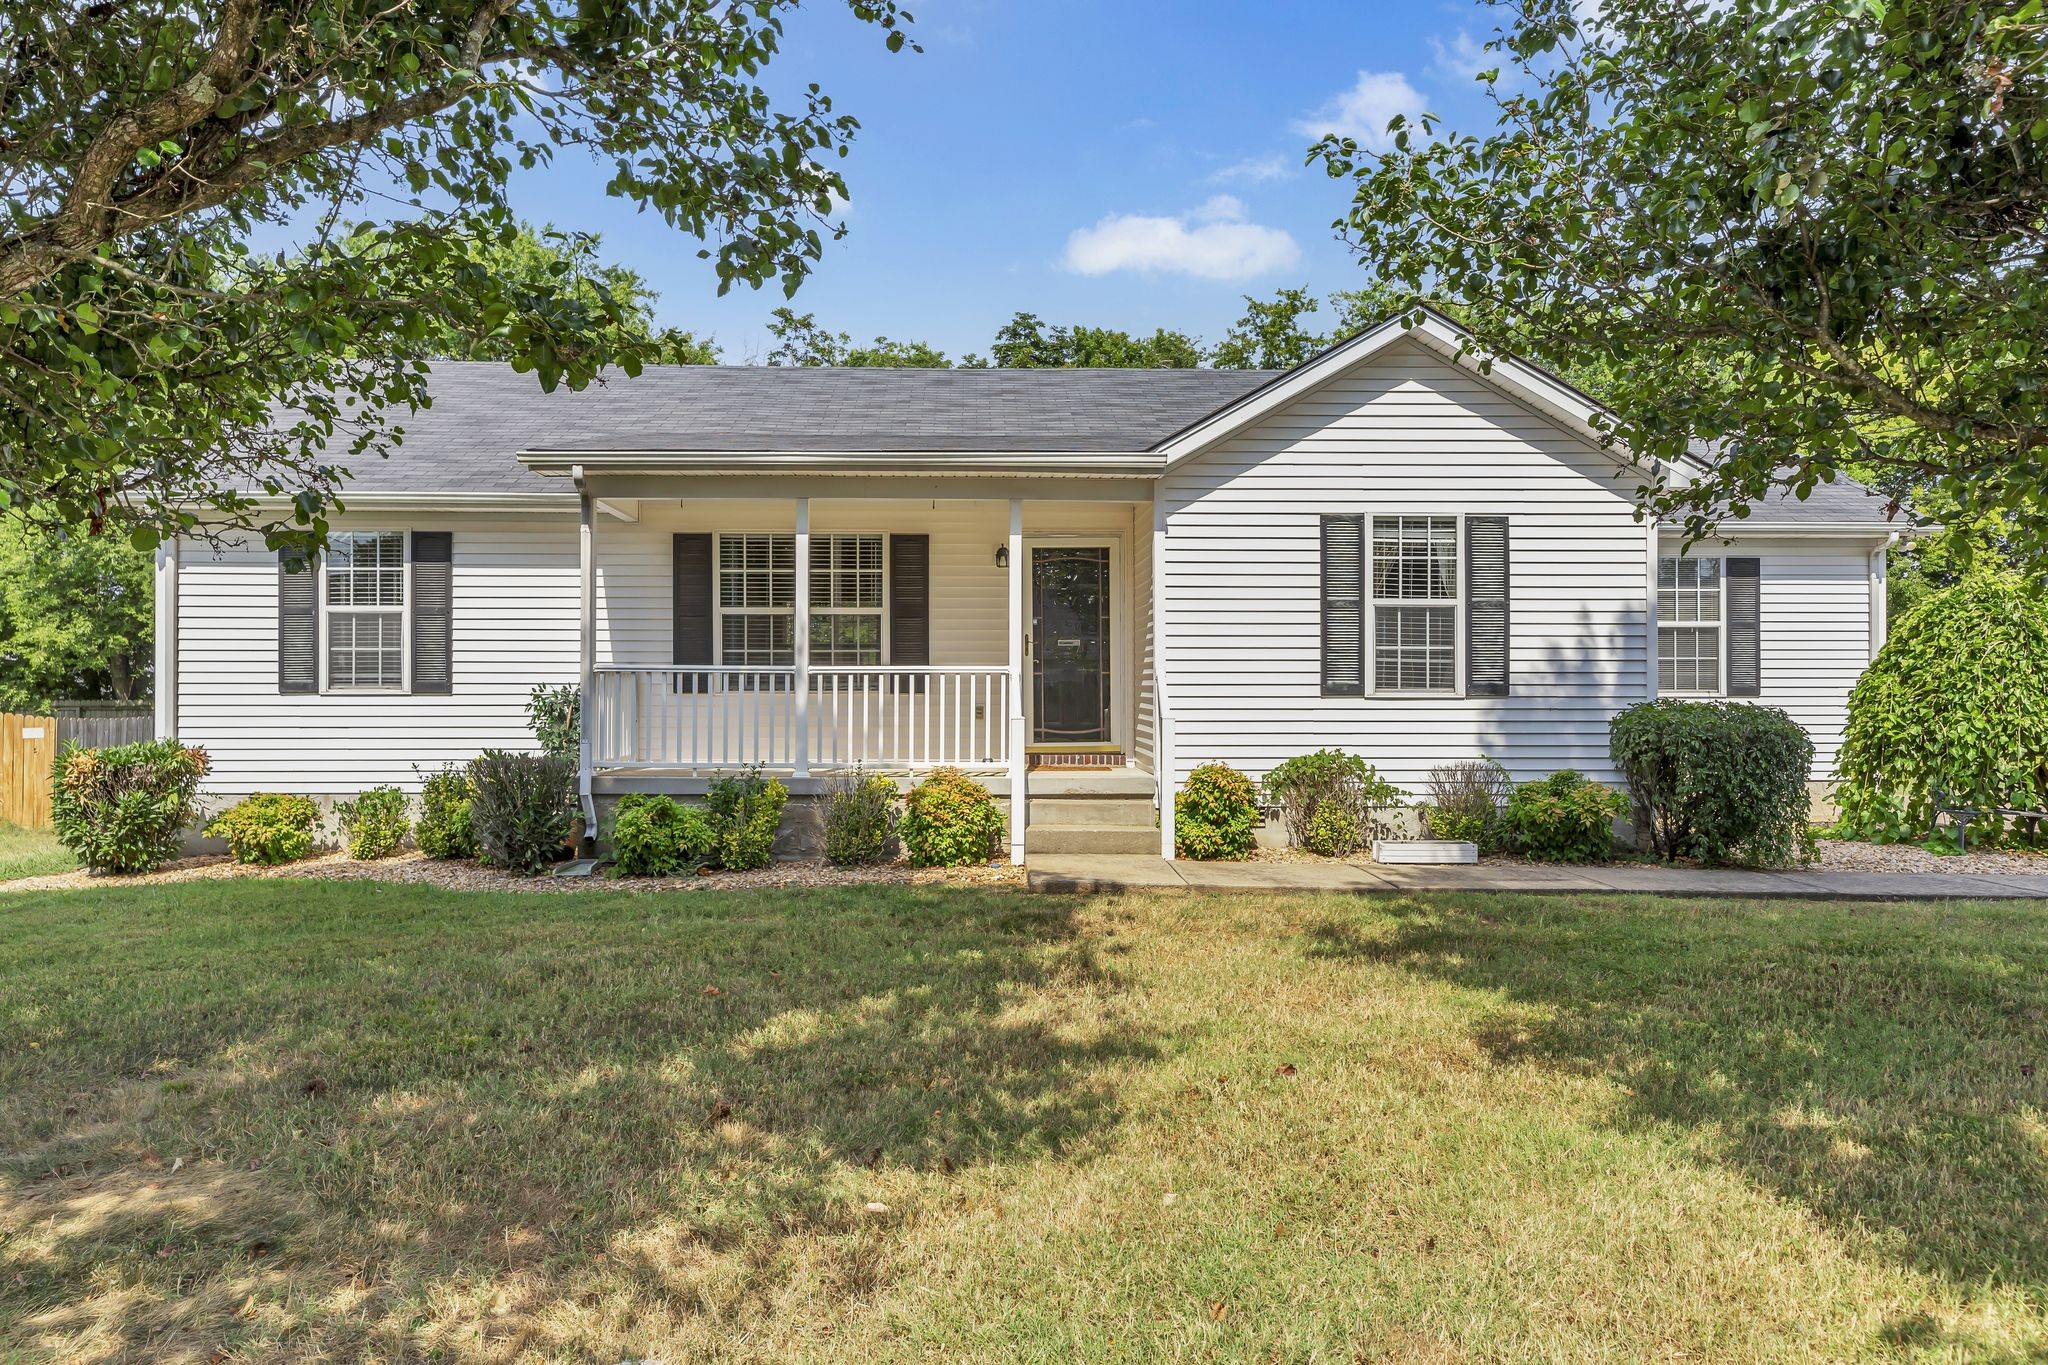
(1423,851)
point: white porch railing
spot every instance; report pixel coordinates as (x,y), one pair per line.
(730,717)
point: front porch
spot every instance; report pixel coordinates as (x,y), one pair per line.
(724,629)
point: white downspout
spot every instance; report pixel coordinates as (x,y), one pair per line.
(1162,692)
(801,654)
(1880,611)
(1650,610)
(587,654)
(166,681)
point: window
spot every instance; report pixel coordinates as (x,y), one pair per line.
(1689,620)
(847,594)
(366,592)
(757,600)
(1415,604)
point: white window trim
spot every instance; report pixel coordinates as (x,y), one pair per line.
(326,611)
(719,611)
(1456,691)
(1719,624)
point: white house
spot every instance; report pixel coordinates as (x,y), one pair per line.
(1078,584)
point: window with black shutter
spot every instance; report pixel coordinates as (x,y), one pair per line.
(1343,605)
(1486,606)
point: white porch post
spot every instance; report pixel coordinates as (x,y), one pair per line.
(587,651)
(1020,803)
(802,699)
(1162,692)
(166,685)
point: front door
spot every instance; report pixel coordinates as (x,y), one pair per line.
(1070,644)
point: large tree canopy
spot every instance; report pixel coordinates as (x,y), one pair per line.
(144,347)
(1809,232)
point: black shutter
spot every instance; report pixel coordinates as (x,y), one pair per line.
(298,623)
(433,611)
(910,600)
(1344,605)
(693,619)
(1745,628)
(1486,606)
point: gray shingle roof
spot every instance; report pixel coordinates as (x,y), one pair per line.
(483,415)
(1829,504)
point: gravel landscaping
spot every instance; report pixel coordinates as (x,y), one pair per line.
(456,875)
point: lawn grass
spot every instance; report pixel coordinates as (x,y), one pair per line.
(325,1120)
(31,853)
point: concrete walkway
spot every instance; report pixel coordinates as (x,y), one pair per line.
(1084,874)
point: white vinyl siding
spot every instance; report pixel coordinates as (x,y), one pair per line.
(514,581)
(1404,434)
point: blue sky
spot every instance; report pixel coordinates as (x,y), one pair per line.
(1168,135)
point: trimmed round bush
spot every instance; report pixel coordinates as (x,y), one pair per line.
(267,828)
(860,814)
(1307,786)
(1954,708)
(121,809)
(950,820)
(444,829)
(374,824)
(1216,815)
(1565,818)
(659,836)
(1720,781)
(522,807)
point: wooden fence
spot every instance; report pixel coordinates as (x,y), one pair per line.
(28,746)
(100,724)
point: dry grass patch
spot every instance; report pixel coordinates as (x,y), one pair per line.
(303,1120)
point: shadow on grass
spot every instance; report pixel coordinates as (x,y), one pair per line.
(412,1121)
(1886,1067)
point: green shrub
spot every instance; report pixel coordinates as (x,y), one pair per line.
(374,824)
(522,807)
(1955,706)
(950,820)
(658,836)
(1216,815)
(860,813)
(121,809)
(1566,818)
(745,812)
(1304,785)
(267,828)
(1714,780)
(444,829)
(555,715)
(1465,802)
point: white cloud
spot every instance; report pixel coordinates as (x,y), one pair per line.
(1210,242)
(1462,58)
(1255,170)
(1363,112)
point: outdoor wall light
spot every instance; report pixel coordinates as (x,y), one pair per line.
(1002,556)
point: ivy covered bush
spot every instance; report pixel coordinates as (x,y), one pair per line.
(745,813)
(1720,781)
(267,828)
(1216,815)
(1328,798)
(860,814)
(659,836)
(121,809)
(444,829)
(522,807)
(1954,706)
(374,824)
(1565,818)
(950,820)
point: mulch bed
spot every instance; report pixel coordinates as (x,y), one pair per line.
(417,869)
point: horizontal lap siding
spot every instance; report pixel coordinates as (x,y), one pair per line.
(1144,751)
(1814,631)
(515,624)
(1405,433)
